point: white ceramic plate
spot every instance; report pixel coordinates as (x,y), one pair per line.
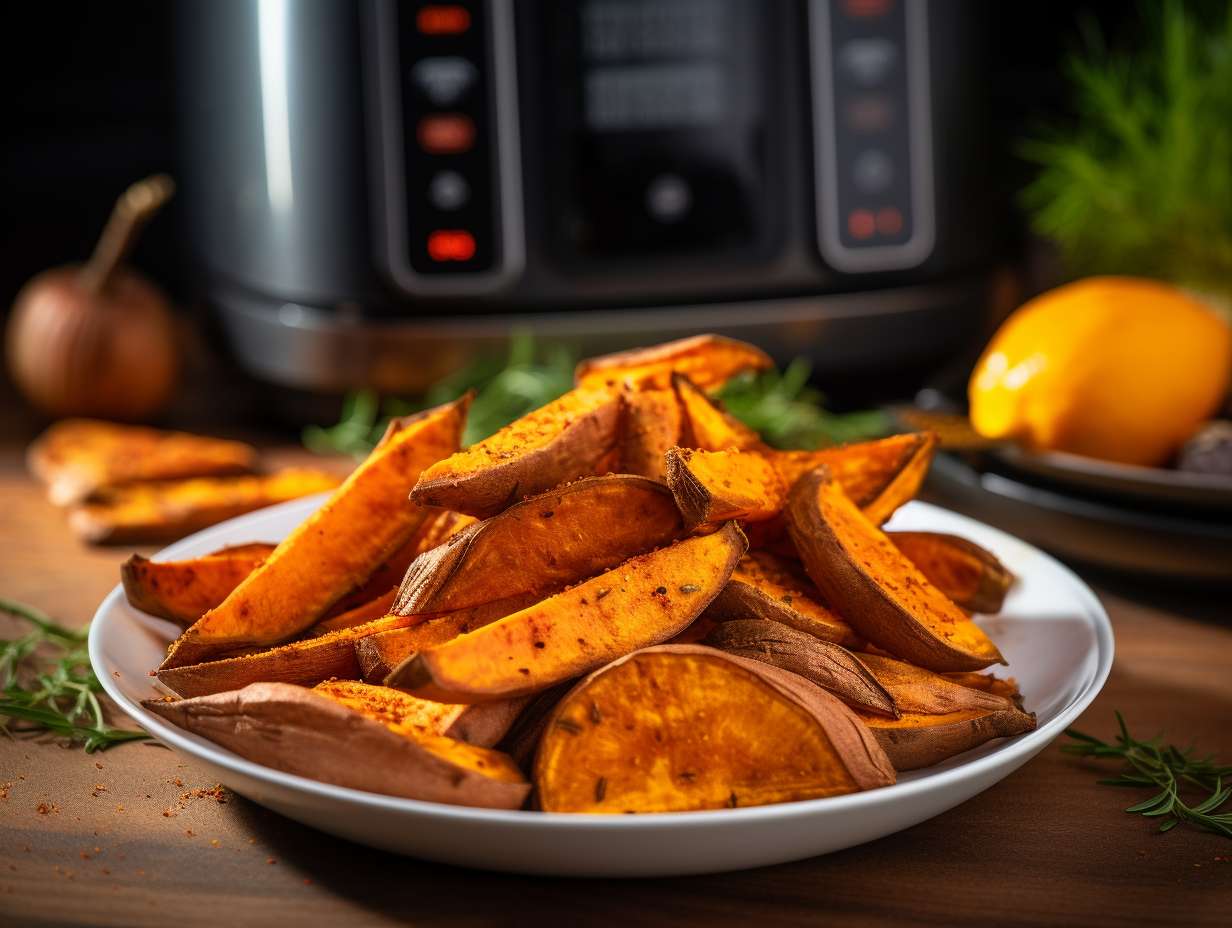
(1053,631)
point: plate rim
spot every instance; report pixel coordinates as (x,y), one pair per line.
(1020,748)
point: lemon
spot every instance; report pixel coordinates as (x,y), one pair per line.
(1118,368)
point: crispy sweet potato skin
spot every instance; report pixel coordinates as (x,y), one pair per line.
(767,587)
(293,729)
(335,549)
(652,423)
(709,360)
(78,457)
(683,727)
(971,576)
(714,486)
(145,513)
(542,544)
(875,587)
(644,601)
(573,436)
(707,426)
(183,591)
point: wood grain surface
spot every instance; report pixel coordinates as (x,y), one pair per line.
(134,837)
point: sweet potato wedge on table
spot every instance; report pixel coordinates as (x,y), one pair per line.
(707,426)
(652,420)
(573,436)
(77,457)
(145,513)
(940,718)
(767,587)
(968,574)
(684,727)
(335,549)
(875,587)
(830,666)
(296,730)
(543,544)
(183,591)
(644,601)
(484,724)
(714,486)
(708,360)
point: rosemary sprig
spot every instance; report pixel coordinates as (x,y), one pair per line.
(46,682)
(1168,769)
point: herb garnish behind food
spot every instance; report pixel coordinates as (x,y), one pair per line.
(1168,769)
(48,683)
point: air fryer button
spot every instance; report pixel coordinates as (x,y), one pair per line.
(872,171)
(867,62)
(668,198)
(448,191)
(445,134)
(444,81)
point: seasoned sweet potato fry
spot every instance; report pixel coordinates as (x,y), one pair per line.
(707,426)
(374,608)
(767,587)
(830,666)
(875,587)
(144,513)
(182,591)
(644,601)
(1006,687)
(652,420)
(961,569)
(296,730)
(714,486)
(483,725)
(305,662)
(570,437)
(332,551)
(940,718)
(77,457)
(685,727)
(542,544)
(708,360)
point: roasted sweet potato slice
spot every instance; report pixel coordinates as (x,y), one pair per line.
(1006,687)
(145,513)
(970,575)
(767,587)
(183,591)
(875,587)
(542,544)
(644,601)
(522,740)
(685,727)
(335,549)
(651,426)
(714,486)
(940,718)
(708,360)
(830,666)
(77,457)
(483,725)
(707,426)
(296,730)
(375,608)
(305,662)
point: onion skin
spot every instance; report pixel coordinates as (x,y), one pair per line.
(109,354)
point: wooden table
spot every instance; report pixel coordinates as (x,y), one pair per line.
(132,837)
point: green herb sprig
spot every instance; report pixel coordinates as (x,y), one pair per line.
(47,683)
(1168,769)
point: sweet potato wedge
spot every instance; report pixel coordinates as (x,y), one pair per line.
(708,360)
(875,587)
(684,727)
(298,731)
(522,740)
(374,608)
(77,457)
(707,426)
(767,587)
(715,486)
(305,662)
(644,601)
(542,544)
(183,591)
(332,551)
(1006,687)
(652,420)
(483,725)
(940,718)
(970,575)
(830,666)
(145,513)
(573,436)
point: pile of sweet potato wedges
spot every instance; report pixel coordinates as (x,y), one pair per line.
(622,602)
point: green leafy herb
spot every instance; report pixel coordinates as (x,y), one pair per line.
(1168,769)
(48,683)
(1140,182)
